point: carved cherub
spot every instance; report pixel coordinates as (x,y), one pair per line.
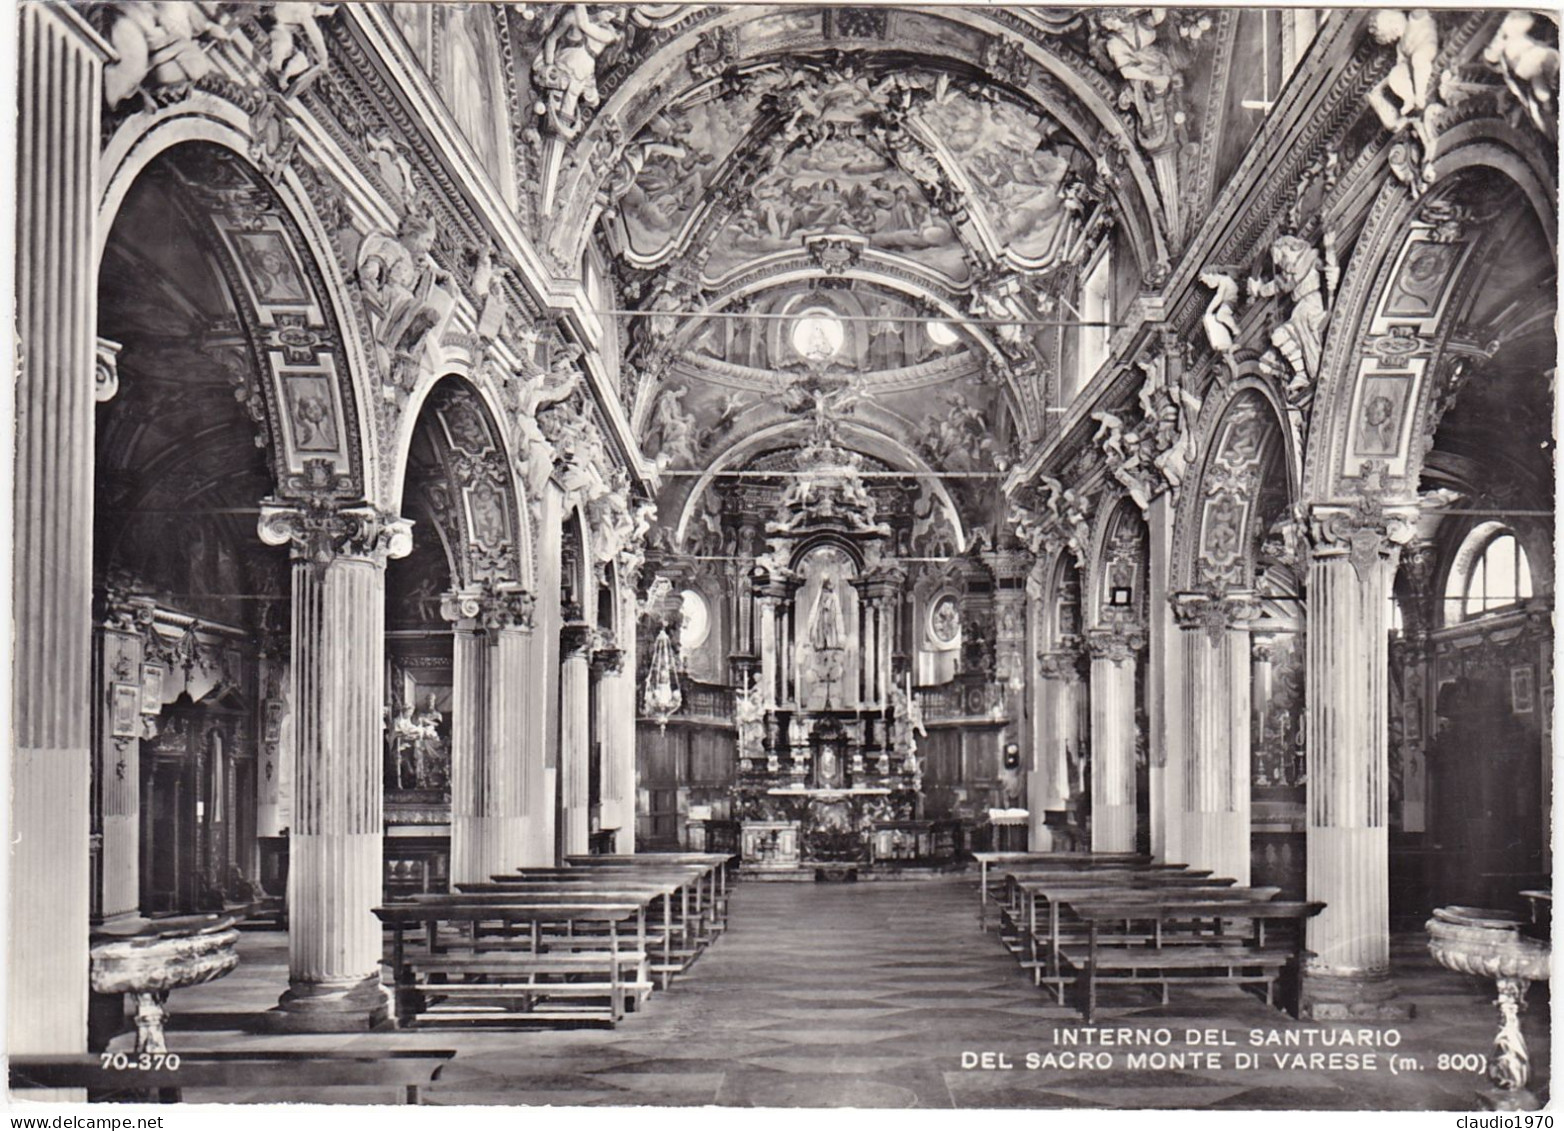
(1530,68)
(297,64)
(1220,321)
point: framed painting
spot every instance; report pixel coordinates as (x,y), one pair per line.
(125,710)
(152,688)
(1523,696)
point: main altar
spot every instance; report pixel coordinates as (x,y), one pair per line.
(828,769)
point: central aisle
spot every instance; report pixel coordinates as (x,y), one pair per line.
(867,995)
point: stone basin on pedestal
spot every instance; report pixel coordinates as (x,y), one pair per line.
(1489,944)
(161,955)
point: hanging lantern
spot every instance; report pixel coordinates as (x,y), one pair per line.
(662,696)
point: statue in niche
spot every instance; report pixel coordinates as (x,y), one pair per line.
(1299,273)
(826,630)
(566,72)
(419,758)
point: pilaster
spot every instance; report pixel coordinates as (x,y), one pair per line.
(60,62)
(575,735)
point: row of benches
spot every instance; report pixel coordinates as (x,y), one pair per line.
(586,942)
(1092,919)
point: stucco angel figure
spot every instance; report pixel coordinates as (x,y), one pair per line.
(298,53)
(1130,40)
(566,70)
(1530,68)
(1416,39)
(406,290)
(677,428)
(1298,273)
(1220,321)
(533,392)
(160,49)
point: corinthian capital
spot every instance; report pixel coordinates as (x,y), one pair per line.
(1117,642)
(1366,530)
(1214,612)
(1062,664)
(320,531)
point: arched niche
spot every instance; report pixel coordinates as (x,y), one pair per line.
(1117,587)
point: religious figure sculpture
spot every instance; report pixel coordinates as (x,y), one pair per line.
(405,290)
(160,50)
(826,628)
(1416,39)
(1299,274)
(566,70)
(1129,38)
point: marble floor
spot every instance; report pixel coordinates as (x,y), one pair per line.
(884,995)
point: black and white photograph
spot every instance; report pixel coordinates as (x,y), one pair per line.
(779,556)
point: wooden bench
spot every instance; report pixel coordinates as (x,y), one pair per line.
(711,871)
(508,974)
(407,1069)
(1055,897)
(1190,940)
(987,860)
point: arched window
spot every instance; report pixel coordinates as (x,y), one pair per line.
(1491,574)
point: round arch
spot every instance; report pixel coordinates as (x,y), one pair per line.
(292,297)
(1243,437)
(480,503)
(1412,272)
(1118,561)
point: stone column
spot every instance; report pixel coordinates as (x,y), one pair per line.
(503,810)
(1212,712)
(537,687)
(575,733)
(1113,655)
(470,749)
(335,866)
(1060,736)
(1346,688)
(60,62)
(1162,659)
(613,670)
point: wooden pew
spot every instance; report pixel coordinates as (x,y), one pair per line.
(1128,875)
(674,941)
(690,913)
(1191,941)
(987,860)
(716,868)
(405,1069)
(528,972)
(1057,897)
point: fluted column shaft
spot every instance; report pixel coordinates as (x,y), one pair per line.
(1212,705)
(338,696)
(1113,740)
(1347,832)
(471,752)
(1059,737)
(537,686)
(575,735)
(334,874)
(60,63)
(616,726)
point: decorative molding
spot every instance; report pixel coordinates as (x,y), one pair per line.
(320,530)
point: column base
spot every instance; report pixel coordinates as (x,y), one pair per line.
(316,1007)
(1363,996)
